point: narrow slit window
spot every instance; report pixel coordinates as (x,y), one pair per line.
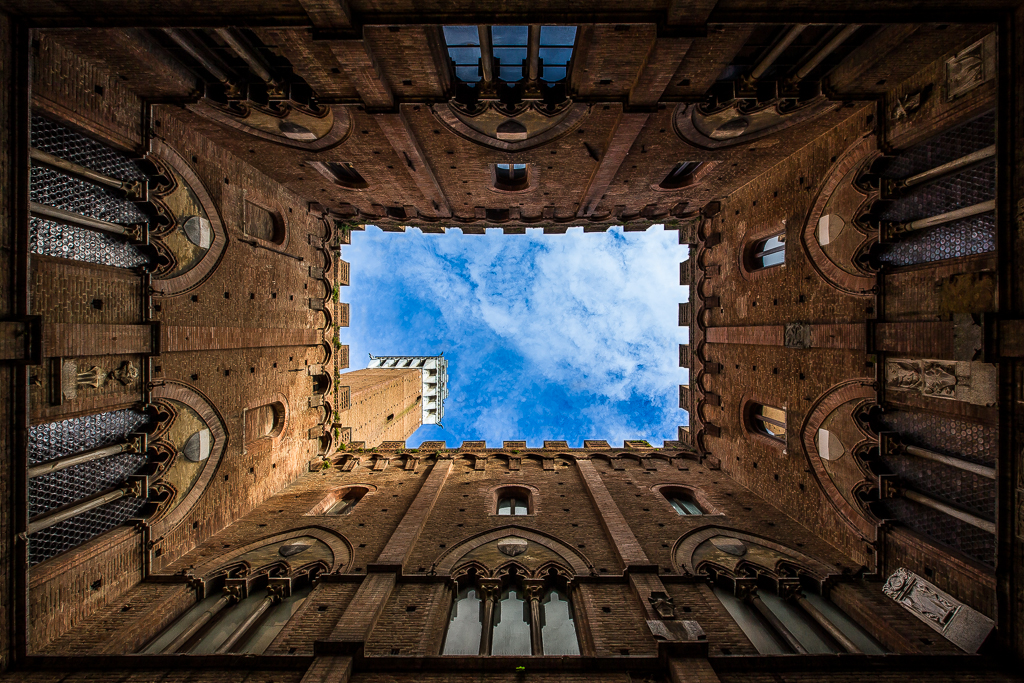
(682,175)
(768,252)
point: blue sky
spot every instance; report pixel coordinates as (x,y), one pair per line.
(567,337)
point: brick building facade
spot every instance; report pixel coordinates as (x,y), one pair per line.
(194,490)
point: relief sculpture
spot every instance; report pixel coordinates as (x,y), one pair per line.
(970,382)
(965,627)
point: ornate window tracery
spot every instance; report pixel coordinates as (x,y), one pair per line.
(512,613)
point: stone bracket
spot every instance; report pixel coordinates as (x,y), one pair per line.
(21,340)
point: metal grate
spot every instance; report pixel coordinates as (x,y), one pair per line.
(51,491)
(73,532)
(975,235)
(947,530)
(967,490)
(65,241)
(53,188)
(56,189)
(972,186)
(55,139)
(943,148)
(59,439)
(975,442)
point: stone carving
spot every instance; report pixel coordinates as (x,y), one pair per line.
(513,546)
(663,605)
(731,546)
(921,598)
(126,373)
(966,381)
(904,107)
(963,626)
(797,336)
(73,377)
(971,67)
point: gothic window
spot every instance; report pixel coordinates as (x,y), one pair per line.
(767,252)
(511,625)
(682,175)
(513,501)
(767,420)
(682,501)
(516,53)
(511,177)
(222,623)
(341,174)
(466,623)
(463,43)
(347,502)
(558,630)
(802,622)
(511,617)
(555,53)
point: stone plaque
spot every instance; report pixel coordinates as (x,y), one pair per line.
(731,546)
(964,627)
(797,336)
(971,67)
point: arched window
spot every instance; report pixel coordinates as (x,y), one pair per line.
(767,252)
(496,617)
(511,177)
(513,501)
(347,502)
(682,175)
(341,174)
(802,622)
(682,501)
(767,420)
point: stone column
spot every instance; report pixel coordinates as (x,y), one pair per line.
(532,590)
(490,591)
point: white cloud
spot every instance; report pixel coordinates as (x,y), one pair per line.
(594,312)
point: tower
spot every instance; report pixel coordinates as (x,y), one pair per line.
(391,398)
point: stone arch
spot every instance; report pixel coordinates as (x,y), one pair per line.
(684,548)
(553,127)
(841,175)
(201,270)
(580,565)
(201,404)
(281,413)
(339,545)
(834,397)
